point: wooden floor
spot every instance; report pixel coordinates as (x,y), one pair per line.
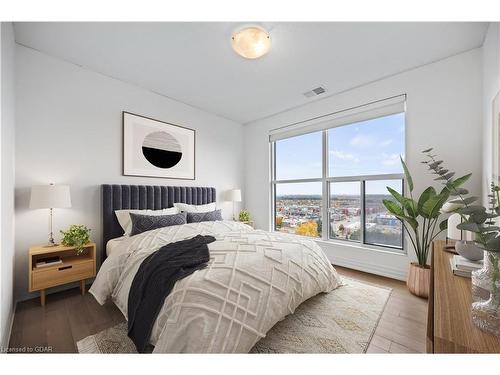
(402,327)
(69,317)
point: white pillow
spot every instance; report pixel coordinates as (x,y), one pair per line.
(199,208)
(125,221)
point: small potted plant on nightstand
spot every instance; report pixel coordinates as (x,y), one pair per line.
(76,235)
(244,216)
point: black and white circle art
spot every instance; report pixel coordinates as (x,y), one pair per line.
(161,149)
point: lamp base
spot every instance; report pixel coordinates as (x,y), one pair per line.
(51,244)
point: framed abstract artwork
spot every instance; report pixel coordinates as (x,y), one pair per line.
(153,148)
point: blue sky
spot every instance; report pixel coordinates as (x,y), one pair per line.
(363,148)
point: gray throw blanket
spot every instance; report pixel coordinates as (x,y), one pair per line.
(156,278)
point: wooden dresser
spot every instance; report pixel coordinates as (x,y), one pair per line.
(449,323)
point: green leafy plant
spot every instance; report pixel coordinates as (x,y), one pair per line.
(244,215)
(476,218)
(76,235)
(420,217)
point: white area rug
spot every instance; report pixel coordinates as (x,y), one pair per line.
(342,321)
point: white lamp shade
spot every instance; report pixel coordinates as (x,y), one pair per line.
(50,196)
(233,195)
(453,232)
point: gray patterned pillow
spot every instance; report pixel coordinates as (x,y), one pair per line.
(197,217)
(143,223)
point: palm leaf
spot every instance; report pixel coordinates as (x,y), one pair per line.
(408,178)
(443,225)
(424,197)
(398,212)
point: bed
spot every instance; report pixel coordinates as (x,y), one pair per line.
(253,280)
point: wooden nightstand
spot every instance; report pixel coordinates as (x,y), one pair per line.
(73,267)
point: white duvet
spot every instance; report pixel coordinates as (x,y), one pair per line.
(253,280)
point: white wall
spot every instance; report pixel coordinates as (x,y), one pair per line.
(443,111)
(69,131)
(491,86)
(7,110)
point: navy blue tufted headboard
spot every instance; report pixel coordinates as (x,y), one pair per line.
(122,197)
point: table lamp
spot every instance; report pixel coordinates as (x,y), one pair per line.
(453,233)
(233,196)
(50,196)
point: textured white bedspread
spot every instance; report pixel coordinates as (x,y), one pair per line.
(253,280)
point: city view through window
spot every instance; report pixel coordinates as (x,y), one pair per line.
(359,156)
(299,213)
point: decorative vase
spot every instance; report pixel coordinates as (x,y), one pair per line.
(481,280)
(486,312)
(419,280)
(469,250)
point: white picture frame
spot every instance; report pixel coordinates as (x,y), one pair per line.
(153,148)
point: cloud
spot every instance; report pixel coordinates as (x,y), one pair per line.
(390,159)
(385,143)
(344,156)
(363,140)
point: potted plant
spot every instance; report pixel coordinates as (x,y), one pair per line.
(420,219)
(76,235)
(244,216)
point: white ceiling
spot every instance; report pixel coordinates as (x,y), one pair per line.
(194,62)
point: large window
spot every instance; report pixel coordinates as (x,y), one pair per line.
(345,210)
(381,228)
(292,164)
(330,183)
(298,208)
(366,148)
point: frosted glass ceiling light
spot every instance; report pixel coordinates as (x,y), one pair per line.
(251,42)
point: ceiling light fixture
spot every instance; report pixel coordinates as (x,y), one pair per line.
(251,42)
